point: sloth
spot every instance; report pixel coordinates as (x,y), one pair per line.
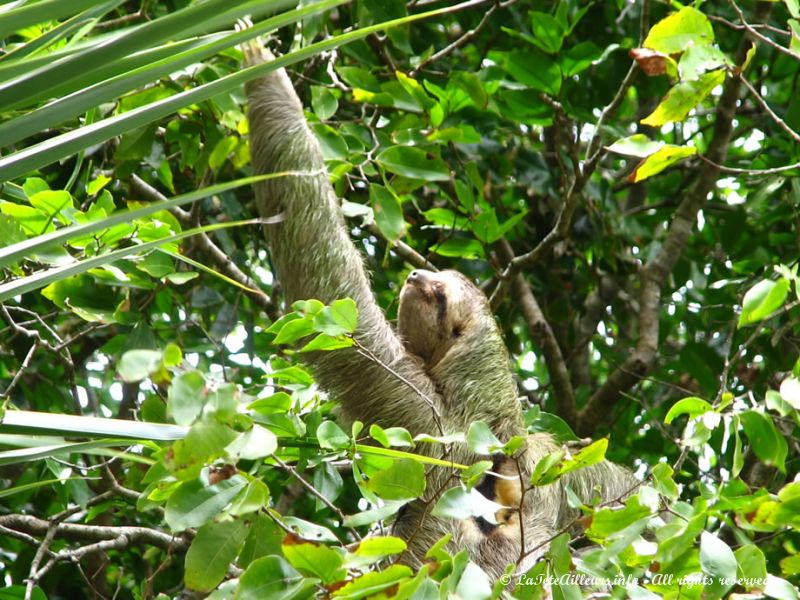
(444,367)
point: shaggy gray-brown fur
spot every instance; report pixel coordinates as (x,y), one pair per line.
(453,362)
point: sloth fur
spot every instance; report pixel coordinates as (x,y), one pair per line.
(448,351)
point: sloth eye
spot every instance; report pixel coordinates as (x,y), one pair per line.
(457,331)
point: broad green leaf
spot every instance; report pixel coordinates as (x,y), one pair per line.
(790,391)
(294,330)
(593,454)
(205,442)
(535,70)
(761,300)
(195,503)
(338,318)
(371,584)
(719,563)
(186,397)
(314,559)
(678,31)
(379,546)
(579,58)
(765,439)
(280,402)
(251,500)
(404,480)
(324,102)
(692,406)
(752,566)
(546,469)
(660,160)
(136,365)
(331,436)
(481,440)
(548,31)
(636,145)
(255,443)
(699,59)
(211,553)
(683,97)
(387,212)
(325,342)
(460,247)
(272,578)
(413,163)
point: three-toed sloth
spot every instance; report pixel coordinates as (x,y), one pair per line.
(445,367)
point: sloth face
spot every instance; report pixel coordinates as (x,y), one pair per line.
(436,310)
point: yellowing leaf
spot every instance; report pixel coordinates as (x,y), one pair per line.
(658,161)
(680,30)
(683,97)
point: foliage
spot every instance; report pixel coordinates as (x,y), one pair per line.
(621,179)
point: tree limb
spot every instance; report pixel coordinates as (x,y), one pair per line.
(654,274)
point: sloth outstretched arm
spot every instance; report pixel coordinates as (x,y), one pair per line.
(315,258)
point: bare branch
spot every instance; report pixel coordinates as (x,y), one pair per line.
(763,104)
(31,525)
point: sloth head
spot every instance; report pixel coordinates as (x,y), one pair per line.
(437,310)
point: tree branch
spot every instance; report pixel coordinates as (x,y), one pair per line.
(32,526)
(222,260)
(540,330)
(654,274)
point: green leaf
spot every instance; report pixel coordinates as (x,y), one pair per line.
(211,552)
(338,318)
(683,97)
(765,439)
(379,546)
(371,584)
(761,300)
(779,588)
(579,58)
(136,365)
(194,503)
(546,469)
(314,559)
(481,440)
(790,392)
(294,330)
(752,566)
(660,160)
(692,406)
(324,342)
(592,454)
(255,443)
(404,480)
(636,145)
(331,436)
(548,31)
(701,59)
(413,163)
(534,69)
(459,247)
(323,102)
(719,563)
(678,31)
(186,397)
(272,578)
